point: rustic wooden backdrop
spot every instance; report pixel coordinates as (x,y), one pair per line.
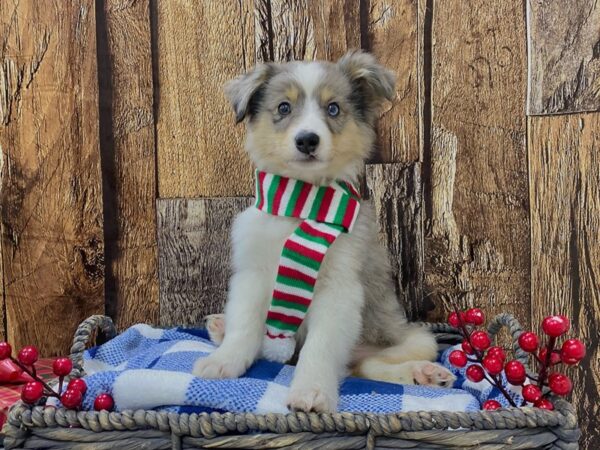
(486,179)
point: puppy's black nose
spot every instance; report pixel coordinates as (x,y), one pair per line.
(307,142)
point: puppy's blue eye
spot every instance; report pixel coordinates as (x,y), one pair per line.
(284,108)
(333,109)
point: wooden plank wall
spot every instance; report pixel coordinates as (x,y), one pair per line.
(127,146)
(52,225)
(477,238)
(564,182)
(477,190)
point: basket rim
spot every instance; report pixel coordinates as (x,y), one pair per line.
(213,424)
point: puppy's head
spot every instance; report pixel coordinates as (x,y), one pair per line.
(312,120)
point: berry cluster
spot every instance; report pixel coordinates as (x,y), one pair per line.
(549,381)
(33,391)
(489,361)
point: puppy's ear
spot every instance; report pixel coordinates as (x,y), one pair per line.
(371,81)
(242,91)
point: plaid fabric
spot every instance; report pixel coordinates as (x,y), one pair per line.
(151,368)
(11,393)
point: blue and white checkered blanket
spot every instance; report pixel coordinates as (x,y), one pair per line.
(150,368)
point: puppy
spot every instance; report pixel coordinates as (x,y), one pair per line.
(355,319)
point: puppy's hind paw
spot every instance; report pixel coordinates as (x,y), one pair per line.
(432,374)
(215,325)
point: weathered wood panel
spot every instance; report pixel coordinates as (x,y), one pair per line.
(565,232)
(194,252)
(128,161)
(52,240)
(392,35)
(303,29)
(475,173)
(564,56)
(200,46)
(395,191)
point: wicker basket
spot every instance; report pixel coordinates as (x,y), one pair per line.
(512,428)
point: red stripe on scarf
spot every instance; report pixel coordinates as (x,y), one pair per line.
(277,336)
(325,204)
(261,179)
(291,298)
(284,318)
(308,229)
(301,199)
(278,194)
(296,274)
(304,251)
(351,188)
(349,215)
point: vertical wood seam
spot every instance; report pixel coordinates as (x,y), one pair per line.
(2,271)
(105,122)
(153,17)
(425,113)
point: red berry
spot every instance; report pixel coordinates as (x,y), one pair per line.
(475,373)
(480,340)
(28,355)
(5,350)
(62,367)
(467,347)
(491,405)
(573,351)
(458,358)
(71,398)
(515,372)
(531,393)
(528,341)
(78,384)
(453,319)
(493,365)
(497,352)
(555,326)
(560,384)
(104,401)
(544,404)
(554,358)
(32,392)
(475,316)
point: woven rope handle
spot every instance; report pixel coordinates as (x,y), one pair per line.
(82,339)
(515,330)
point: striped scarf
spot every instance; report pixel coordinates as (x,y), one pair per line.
(326,211)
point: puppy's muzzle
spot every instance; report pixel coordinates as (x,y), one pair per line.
(307,142)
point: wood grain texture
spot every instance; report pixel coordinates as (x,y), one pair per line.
(392,36)
(128,161)
(200,46)
(565,235)
(395,191)
(52,239)
(304,29)
(475,173)
(564,56)
(194,251)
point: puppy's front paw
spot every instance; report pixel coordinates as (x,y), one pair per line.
(215,325)
(432,374)
(219,365)
(312,398)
